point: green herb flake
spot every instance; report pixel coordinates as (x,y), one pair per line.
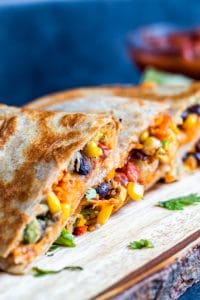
(180,202)
(37,272)
(53,248)
(66,239)
(32,232)
(141,244)
(164,143)
(164,78)
(90,194)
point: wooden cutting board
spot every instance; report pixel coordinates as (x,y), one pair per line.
(111,269)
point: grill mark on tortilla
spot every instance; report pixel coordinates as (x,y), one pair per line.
(123,91)
(50,144)
(70,121)
(7,129)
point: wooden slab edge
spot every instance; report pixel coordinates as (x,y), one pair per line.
(165,277)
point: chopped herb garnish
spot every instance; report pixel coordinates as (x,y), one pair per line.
(66,239)
(180,202)
(164,78)
(164,143)
(40,272)
(32,232)
(90,194)
(53,248)
(49,254)
(141,244)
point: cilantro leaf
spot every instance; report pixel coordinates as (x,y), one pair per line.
(164,78)
(180,202)
(53,248)
(164,143)
(90,194)
(40,272)
(141,244)
(65,239)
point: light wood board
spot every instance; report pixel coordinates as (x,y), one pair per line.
(104,254)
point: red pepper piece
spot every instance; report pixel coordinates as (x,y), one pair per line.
(105,149)
(121,178)
(80,230)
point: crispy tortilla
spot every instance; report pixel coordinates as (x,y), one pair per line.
(174,95)
(35,148)
(178,98)
(135,108)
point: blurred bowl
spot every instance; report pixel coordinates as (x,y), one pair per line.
(166,47)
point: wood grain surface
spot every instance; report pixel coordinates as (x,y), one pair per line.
(111,269)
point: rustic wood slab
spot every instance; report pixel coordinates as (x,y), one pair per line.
(111,269)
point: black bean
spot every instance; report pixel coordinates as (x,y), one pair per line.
(184,114)
(85,165)
(103,189)
(193,109)
(137,154)
(42,224)
(197,147)
(197,156)
(188,154)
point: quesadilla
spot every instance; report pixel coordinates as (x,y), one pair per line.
(148,147)
(183,101)
(48,161)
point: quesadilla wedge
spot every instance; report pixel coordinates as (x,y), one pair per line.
(183,101)
(148,146)
(48,161)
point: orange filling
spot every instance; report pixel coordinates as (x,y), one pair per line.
(156,147)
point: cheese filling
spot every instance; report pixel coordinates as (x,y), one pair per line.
(155,150)
(191,125)
(70,186)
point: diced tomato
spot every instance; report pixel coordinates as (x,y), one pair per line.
(121,178)
(161,129)
(105,149)
(132,172)
(159,133)
(80,230)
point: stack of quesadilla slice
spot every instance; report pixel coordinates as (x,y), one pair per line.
(149,144)
(77,166)
(48,161)
(183,101)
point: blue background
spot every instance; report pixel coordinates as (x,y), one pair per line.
(52,45)
(47,46)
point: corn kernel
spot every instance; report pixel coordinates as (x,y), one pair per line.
(53,203)
(81,221)
(149,84)
(174,128)
(92,150)
(191,163)
(122,193)
(110,175)
(162,156)
(144,136)
(98,136)
(190,121)
(170,177)
(104,214)
(65,210)
(135,191)
(151,144)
